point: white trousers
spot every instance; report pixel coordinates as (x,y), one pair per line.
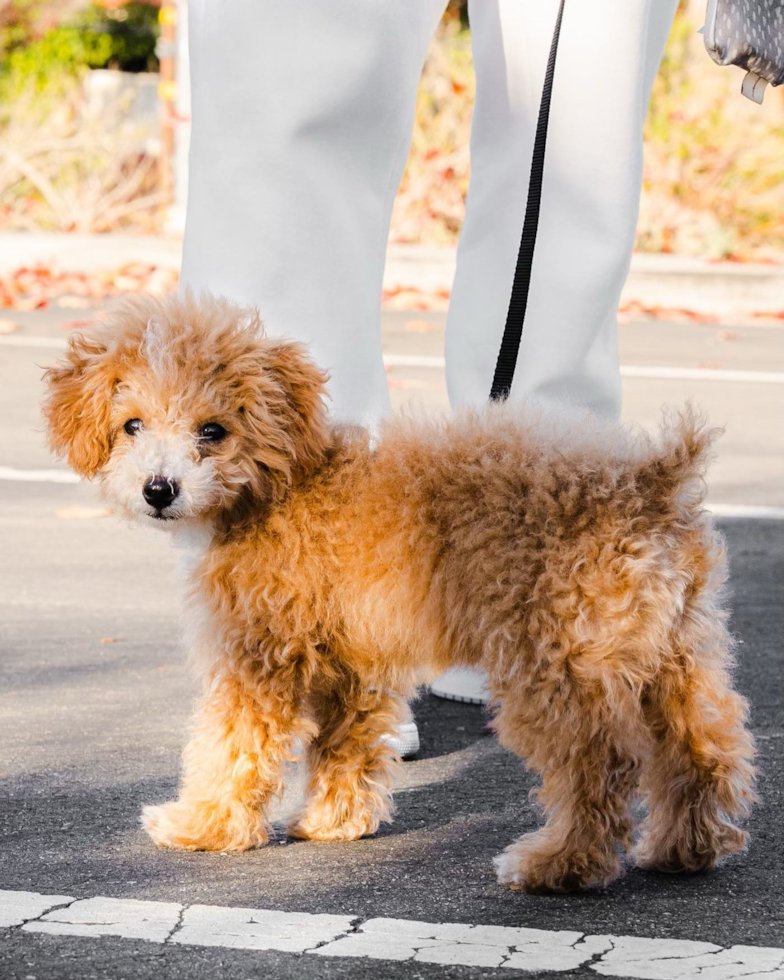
(302,115)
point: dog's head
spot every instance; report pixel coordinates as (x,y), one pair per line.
(180,406)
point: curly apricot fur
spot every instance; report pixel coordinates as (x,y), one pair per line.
(572,560)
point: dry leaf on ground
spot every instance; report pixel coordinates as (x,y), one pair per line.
(77,512)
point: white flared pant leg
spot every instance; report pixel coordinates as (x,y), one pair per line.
(302,112)
(607,59)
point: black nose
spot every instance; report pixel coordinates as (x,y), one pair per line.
(159,492)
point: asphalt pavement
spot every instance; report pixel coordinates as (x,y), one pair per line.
(94,702)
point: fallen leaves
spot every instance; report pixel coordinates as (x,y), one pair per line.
(768,314)
(738,317)
(36,287)
(8,326)
(411,298)
(77,512)
(633,309)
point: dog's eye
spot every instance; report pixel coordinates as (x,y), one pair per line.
(212,432)
(132,426)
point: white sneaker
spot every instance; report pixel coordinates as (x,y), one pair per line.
(462,684)
(404,740)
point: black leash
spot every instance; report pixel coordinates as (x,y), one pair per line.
(513,331)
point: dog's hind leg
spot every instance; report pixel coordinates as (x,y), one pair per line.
(575,733)
(700,774)
(242,735)
(350,766)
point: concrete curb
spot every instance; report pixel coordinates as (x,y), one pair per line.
(654,280)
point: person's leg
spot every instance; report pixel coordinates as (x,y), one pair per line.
(608,56)
(302,119)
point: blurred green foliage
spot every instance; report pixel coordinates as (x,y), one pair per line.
(41,52)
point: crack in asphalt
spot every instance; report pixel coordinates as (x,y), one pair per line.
(751,972)
(46,911)
(597,958)
(738,968)
(178,924)
(356,924)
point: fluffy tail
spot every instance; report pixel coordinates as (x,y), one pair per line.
(674,473)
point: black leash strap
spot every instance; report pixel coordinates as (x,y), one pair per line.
(513,331)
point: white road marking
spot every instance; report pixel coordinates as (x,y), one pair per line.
(453,944)
(289,932)
(648,960)
(414,360)
(664,372)
(447,943)
(19,907)
(754,511)
(37,476)
(16,340)
(124,917)
(701,374)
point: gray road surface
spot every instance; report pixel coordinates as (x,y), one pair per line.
(91,730)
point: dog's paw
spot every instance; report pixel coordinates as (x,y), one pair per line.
(310,829)
(536,863)
(692,846)
(359,817)
(203,826)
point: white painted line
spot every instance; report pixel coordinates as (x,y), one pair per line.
(627,370)
(37,476)
(756,512)
(289,932)
(443,943)
(652,959)
(15,340)
(414,360)
(124,917)
(753,511)
(19,907)
(701,374)
(455,944)
(662,373)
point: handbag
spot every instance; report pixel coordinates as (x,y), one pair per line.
(749,34)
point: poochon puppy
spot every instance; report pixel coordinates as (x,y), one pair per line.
(327,576)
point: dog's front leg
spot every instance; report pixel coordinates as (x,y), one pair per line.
(350,765)
(243,732)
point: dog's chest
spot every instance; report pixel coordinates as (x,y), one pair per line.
(199,630)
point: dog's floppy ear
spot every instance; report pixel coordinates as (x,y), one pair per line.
(78,402)
(283,404)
